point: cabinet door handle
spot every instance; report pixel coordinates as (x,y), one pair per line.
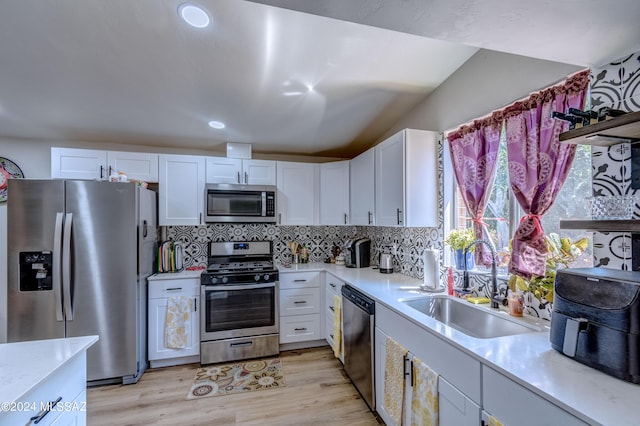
(298,302)
(279,218)
(332,309)
(238,176)
(200,218)
(331,335)
(110,170)
(299,281)
(101,168)
(369,217)
(174,289)
(246,177)
(398,211)
(300,329)
(46,410)
(195,304)
(332,285)
(345,218)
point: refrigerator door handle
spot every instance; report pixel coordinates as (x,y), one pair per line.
(57,249)
(66,266)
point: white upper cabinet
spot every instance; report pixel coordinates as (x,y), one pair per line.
(334,193)
(239,171)
(298,189)
(362,188)
(91,164)
(406,179)
(137,165)
(181,190)
(71,163)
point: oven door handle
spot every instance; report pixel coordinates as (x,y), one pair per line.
(237,287)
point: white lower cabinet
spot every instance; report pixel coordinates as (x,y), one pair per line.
(508,402)
(160,290)
(455,407)
(333,287)
(461,372)
(300,307)
(67,385)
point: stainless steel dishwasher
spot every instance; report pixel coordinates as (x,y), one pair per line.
(358,330)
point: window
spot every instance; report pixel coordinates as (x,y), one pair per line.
(503,212)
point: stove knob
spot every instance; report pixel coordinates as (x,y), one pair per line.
(214,280)
(224,280)
(257,277)
(266,277)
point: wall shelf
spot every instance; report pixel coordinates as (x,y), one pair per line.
(625,128)
(630,225)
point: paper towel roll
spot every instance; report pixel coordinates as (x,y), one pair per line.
(431,269)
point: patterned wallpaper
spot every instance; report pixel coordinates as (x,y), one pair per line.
(617,85)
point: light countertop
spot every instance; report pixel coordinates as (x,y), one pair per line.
(24,365)
(184,274)
(528,359)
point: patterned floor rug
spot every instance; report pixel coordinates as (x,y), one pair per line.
(226,379)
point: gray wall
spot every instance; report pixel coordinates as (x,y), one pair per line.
(488,81)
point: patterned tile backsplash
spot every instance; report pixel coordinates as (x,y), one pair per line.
(616,85)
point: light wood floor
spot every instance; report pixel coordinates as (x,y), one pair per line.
(318,392)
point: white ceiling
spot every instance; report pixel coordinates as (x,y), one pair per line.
(133,72)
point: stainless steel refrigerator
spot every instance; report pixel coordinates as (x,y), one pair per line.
(79,253)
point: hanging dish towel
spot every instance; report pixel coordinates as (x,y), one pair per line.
(494,422)
(394,380)
(424,400)
(177,322)
(337,326)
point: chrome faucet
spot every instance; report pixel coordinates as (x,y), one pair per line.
(496,300)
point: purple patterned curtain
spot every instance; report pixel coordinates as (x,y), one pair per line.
(474,154)
(538,165)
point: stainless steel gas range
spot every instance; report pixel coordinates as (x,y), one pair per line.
(239,297)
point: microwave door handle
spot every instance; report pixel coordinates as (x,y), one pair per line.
(56,278)
(238,287)
(66,266)
(264,203)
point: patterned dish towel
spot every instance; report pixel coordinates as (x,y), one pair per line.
(337,326)
(424,400)
(177,322)
(394,380)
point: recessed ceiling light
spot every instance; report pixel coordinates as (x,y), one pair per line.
(193,15)
(216,124)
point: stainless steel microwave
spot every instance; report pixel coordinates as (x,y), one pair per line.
(227,203)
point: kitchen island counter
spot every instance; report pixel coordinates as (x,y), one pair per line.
(23,365)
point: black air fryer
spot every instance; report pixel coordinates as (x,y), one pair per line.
(596,319)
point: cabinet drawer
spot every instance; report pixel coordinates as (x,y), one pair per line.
(300,279)
(506,400)
(178,287)
(299,301)
(299,328)
(65,383)
(334,285)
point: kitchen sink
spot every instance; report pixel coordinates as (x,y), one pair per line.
(469,319)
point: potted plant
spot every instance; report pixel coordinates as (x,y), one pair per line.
(561,253)
(458,240)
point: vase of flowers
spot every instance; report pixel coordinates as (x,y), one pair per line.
(458,240)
